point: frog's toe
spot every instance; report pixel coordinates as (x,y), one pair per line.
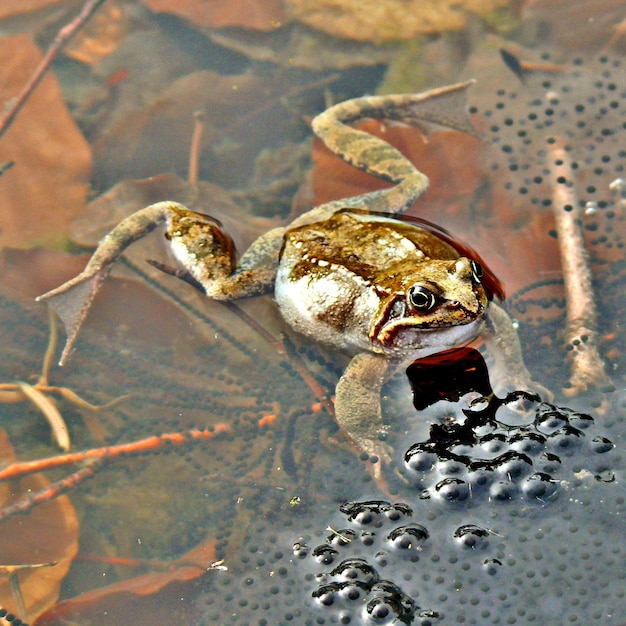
(528,384)
(543,392)
(522,383)
(377,450)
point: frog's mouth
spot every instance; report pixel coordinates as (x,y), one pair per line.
(411,337)
(451,323)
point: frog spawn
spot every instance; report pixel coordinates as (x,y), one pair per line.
(451,567)
(585,105)
(355,590)
(494,451)
(437,560)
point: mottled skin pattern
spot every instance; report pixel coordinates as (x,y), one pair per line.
(384,290)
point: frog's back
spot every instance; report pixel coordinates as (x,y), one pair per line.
(361,242)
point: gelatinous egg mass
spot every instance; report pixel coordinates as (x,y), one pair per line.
(506,453)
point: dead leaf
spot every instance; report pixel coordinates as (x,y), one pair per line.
(102,34)
(8,8)
(122,601)
(242,116)
(255,14)
(48,184)
(48,533)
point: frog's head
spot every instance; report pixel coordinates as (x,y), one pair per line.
(435,299)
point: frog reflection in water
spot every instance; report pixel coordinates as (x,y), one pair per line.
(346,273)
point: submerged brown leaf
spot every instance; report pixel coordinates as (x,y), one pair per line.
(8,8)
(47,186)
(49,533)
(243,114)
(254,14)
(144,599)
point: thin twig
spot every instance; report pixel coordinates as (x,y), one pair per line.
(60,41)
(196,144)
(106,453)
(52,491)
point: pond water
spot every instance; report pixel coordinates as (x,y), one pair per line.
(494,509)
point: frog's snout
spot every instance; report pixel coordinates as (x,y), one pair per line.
(470,306)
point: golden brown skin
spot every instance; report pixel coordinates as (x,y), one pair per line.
(387,291)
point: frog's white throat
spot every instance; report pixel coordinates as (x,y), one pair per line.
(418,342)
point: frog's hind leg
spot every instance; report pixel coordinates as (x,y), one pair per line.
(437,109)
(198,241)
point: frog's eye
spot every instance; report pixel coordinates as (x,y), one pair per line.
(421,299)
(477,272)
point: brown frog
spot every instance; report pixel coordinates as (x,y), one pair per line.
(347,273)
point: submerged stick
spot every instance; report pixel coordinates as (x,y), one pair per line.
(106,453)
(581,335)
(93,460)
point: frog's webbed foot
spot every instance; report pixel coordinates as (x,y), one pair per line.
(444,108)
(357,405)
(198,241)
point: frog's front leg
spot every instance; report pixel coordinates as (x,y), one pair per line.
(504,344)
(199,243)
(357,403)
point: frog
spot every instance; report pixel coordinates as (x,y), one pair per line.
(348,273)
